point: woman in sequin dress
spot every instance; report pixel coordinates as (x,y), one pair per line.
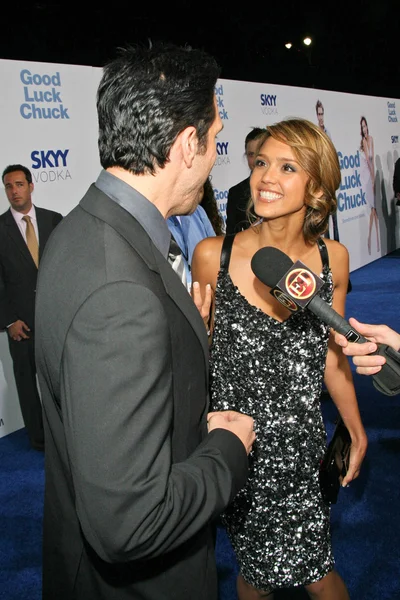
(270,364)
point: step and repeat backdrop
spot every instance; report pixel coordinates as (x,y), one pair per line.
(49,124)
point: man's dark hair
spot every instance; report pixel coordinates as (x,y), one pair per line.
(13,168)
(209,204)
(146,97)
(255,133)
(319,105)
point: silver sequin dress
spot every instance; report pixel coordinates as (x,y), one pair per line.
(278,524)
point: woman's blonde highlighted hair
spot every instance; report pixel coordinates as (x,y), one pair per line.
(317,156)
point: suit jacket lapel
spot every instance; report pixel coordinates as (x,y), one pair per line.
(101,206)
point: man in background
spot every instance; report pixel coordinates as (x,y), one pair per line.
(24,231)
(136,470)
(396,181)
(188,231)
(239,194)
(321,117)
(321,122)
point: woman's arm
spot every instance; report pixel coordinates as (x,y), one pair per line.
(338,375)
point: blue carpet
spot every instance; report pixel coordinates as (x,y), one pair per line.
(365,521)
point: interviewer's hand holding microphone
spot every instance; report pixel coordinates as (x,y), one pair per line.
(272,267)
(367,363)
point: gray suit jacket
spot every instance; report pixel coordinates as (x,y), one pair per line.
(133,481)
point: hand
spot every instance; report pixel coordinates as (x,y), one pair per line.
(203,306)
(366,363)
(16,331)
(238,423)
(358,450)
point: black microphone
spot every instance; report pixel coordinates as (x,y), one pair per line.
(296,287)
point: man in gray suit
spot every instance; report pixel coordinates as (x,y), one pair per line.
(135,474)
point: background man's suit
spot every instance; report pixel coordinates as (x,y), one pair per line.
(123,373)
(18,274)
(238,198)
(396,180)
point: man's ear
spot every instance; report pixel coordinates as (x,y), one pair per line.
(188,144)
(31,187)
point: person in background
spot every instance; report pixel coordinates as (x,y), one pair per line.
(137,470)
(239,194)
(367,175)
(396,181)
(367,363)
(187,231)
(210,205)
(270,363)
(319,108)
(24,231)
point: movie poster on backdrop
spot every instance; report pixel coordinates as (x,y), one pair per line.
(367,217)
(366,212)
(49,124)
(242,106)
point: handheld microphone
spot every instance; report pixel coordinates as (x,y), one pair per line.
(296,287)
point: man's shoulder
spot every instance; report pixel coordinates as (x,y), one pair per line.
(239,188)
(4,216)
(244,184)
(47,211)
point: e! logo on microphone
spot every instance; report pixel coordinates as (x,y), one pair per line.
(300,284)
(297,287)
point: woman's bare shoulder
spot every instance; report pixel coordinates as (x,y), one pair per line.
(337,251)
(209,246)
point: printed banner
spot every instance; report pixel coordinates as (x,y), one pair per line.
(365,131)
(49,124)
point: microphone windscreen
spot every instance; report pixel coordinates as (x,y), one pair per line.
(270,265)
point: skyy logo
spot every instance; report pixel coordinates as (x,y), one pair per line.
(219,94)
(42,99)
(49,158)
(53,164)
(222,154)
(269,104)
(222,148)
(395,139)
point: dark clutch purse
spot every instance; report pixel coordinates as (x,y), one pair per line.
(335,463)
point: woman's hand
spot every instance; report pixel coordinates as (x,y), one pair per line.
(203,305)
(358,450)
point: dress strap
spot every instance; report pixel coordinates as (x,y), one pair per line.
(226,251)
(323,252)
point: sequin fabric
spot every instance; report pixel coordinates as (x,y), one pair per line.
(278,524)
